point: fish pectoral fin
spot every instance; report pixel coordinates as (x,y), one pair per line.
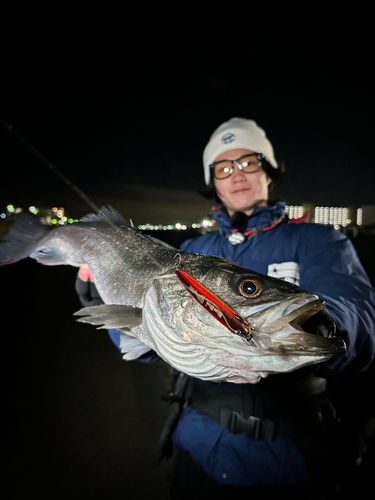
(115,316)
(131,347)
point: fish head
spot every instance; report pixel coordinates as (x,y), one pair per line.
(270,314)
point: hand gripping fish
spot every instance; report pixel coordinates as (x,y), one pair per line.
(206,316)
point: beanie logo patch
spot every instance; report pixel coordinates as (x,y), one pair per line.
(228,138)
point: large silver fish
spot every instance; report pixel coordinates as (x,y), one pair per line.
(204,315)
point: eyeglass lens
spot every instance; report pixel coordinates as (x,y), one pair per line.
(248,164)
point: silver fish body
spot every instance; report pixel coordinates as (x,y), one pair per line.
(145,299)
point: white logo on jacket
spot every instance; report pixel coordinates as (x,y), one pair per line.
(288,271)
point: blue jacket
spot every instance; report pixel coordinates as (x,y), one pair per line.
(321,260)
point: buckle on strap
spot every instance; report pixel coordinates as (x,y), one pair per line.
(253,427)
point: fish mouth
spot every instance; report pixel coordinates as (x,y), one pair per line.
(298,326)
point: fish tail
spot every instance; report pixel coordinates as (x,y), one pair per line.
(21,239)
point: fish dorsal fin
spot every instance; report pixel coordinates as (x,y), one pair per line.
(111,216)
(107,214)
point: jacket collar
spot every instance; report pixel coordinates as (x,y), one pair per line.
(261,216)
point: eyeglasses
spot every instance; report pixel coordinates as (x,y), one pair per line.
(249,164)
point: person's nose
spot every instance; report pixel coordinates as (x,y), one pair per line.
(237,173)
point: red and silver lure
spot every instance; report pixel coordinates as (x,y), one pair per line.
(216,307)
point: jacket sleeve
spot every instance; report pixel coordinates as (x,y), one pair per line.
(330,267)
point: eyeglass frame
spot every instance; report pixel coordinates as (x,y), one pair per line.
(260,157)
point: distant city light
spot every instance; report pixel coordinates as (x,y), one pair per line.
(338,217)
(33,210)
(359,216)
(295,212)
(207,223)
(334,216)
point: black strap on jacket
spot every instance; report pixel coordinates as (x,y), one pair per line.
(283,406)
(293,411)
(178,398)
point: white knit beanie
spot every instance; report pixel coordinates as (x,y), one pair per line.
(237,133)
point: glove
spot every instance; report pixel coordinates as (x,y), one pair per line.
(87,292)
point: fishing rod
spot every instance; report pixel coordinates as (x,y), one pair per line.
(52,167)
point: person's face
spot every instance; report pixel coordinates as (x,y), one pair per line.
(242,192)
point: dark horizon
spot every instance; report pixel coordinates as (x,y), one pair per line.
(116,107)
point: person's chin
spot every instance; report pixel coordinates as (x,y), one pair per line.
(242,198)
(244,205)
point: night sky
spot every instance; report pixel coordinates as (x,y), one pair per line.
(107,108)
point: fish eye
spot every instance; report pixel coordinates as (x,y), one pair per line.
(250,287)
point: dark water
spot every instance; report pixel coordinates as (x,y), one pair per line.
(78,421)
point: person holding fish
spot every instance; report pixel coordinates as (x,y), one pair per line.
(285,432)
